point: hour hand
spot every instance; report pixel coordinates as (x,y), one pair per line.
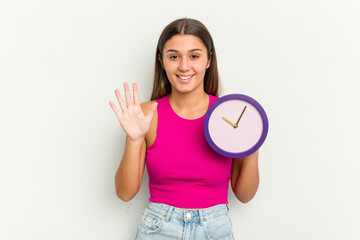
(234,125)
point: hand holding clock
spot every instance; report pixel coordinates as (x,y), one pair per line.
(132,119)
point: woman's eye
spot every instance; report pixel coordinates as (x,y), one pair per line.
(194,56)
(173,57)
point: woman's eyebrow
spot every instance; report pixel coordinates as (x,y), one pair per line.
(192,50)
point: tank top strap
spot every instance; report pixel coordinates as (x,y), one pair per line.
(164,108)
(163,116)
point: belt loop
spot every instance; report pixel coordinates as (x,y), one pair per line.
(227,206)
(202,220)
(168,214)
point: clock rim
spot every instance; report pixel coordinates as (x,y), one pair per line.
(259,108)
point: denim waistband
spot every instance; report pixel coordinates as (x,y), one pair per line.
(168,212)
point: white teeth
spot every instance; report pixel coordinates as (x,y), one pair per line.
(184,78)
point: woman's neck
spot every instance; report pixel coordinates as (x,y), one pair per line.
(189,104)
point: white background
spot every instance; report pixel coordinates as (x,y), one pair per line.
(61,144)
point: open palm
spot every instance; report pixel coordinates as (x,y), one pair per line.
(132,119)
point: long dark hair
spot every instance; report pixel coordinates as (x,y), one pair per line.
(161,85)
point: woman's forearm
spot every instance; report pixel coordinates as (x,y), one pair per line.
(246,177)
(128,176)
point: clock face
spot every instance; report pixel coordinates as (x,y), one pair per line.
(235,125)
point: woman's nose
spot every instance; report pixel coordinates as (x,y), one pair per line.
(184,65)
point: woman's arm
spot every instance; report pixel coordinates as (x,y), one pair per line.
(245,177)
(135,119)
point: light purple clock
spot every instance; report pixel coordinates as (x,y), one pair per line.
(235,125)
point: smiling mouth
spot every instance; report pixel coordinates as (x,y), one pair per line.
(185,77)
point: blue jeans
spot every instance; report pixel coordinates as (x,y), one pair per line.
(164,222)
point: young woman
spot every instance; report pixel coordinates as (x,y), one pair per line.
(188,181)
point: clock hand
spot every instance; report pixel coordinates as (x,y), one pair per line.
(240,116)
(235,126)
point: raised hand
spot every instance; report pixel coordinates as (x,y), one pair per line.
(132,118)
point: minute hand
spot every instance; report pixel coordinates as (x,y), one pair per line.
(240,116)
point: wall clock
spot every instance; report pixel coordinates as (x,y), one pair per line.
(235,125)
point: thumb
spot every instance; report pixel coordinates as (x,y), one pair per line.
(152,110)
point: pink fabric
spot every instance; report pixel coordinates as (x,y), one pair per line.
(184,171)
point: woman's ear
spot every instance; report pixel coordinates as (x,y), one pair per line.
(209,61)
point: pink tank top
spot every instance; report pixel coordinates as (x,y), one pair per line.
(184,171)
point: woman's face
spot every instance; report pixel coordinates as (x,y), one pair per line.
(185,62)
